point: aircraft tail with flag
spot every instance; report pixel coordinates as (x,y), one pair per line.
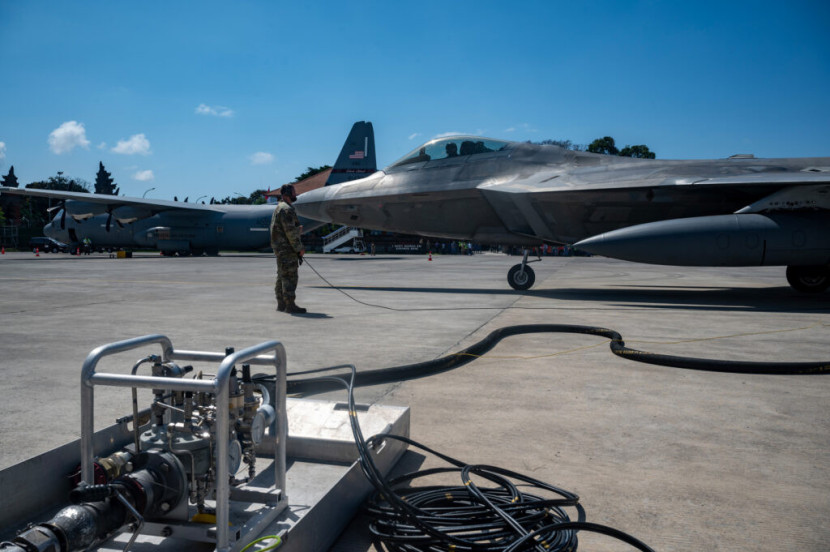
(357,158)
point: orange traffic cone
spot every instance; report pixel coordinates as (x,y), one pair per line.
(3,252)
(37,252)
(78,251)
(430,256)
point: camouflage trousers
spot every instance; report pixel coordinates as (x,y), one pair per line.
(287,277)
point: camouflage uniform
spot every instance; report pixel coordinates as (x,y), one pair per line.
(286,243)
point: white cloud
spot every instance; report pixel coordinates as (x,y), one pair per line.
(261,158)
(67,137)
(144,176)
(102,145)
(414,135)
(215,111)
(137,143)
(2,150)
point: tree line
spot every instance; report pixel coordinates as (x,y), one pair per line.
(605,145)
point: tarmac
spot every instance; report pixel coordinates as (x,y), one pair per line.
(680,459)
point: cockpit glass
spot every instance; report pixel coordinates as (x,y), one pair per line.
(451,146)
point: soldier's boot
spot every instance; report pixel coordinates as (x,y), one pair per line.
(292,308)
(280,305)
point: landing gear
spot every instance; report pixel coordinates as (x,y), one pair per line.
(809,279)
(521,277)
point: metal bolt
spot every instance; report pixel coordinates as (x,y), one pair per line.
(165,506)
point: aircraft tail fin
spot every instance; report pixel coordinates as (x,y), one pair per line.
(357,158)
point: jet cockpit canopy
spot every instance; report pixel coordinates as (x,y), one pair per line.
(450,146)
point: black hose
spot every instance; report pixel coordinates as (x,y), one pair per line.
(500,518)
(618,347)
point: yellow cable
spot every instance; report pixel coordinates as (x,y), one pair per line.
(273,546)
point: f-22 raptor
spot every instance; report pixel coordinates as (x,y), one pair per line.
(738,211)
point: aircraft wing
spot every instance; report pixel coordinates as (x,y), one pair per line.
(565,181)
(801,190)
(156,205)
(531,205)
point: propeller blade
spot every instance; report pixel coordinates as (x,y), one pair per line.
(109,221)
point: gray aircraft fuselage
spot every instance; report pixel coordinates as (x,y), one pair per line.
(739,211)
(236,227)
(527,194)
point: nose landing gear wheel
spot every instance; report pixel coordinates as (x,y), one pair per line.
(521,279)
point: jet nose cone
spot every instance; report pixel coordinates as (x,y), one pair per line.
(311,204)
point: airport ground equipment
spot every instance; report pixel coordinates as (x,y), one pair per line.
(182,465)
(166,486)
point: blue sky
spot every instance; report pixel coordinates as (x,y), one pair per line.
(218,98)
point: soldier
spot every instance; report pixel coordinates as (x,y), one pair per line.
(288,247)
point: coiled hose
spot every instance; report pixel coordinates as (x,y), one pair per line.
(504,517)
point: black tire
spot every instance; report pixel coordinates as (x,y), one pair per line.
(809,279)
(521,280)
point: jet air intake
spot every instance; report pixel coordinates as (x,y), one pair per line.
(773,239)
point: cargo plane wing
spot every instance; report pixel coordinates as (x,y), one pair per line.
(739,211)
(176,227)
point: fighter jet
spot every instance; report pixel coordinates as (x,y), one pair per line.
(176,227)
(737,211)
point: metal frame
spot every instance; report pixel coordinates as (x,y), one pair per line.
(219,386)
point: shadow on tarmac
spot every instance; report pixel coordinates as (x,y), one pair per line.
(311,315)
(771,299)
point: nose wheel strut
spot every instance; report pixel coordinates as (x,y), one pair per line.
(521,276)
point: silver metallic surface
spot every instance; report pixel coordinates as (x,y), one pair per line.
(511,193)
(218,386)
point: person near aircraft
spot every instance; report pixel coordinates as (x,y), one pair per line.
(452,149)
(289,250)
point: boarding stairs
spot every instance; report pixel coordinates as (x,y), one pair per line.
(341,236)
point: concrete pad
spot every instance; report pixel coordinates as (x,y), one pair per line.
(682,460)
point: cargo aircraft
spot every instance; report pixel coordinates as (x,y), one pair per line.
(738,211)
(176,227)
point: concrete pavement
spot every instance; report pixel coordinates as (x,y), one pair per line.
(682,460)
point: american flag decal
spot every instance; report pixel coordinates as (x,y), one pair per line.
(357,155)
